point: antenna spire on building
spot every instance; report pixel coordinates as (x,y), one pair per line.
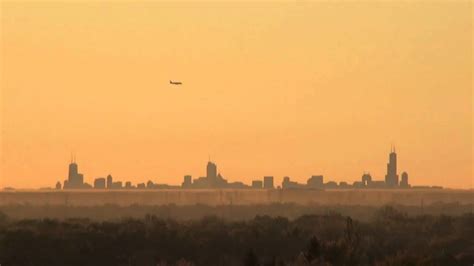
(73,157)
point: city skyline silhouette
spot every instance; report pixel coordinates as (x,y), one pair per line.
(214,180)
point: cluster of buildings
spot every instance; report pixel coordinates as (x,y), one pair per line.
(214,180)
(76,181)
(391,179)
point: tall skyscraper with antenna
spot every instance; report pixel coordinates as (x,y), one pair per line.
(391,178)
(74,180)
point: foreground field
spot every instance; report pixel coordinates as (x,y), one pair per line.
(388,237)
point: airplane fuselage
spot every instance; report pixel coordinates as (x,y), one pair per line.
(175,82)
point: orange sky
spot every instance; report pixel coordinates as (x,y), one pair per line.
(269,89)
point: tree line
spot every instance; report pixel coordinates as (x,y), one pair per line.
(388,237)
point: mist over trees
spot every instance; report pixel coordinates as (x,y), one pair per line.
(388,237)
(227,212)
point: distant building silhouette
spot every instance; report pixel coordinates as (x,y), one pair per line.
(404,181)
(110,181)
(287,183)
(150,184)
(366,179)
(187,181)
(343,184)
(377,184)
(359,184)
(211,172)
(117,185)
(268,182)
(75,180)
(58,185)
(237,185)
(213,179)
(257,184)
(315,181)
(330,185)
(128,185)
(391,179)
(99,183)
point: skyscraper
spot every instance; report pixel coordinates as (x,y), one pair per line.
(109,181)
(211,170)
(391,178)
(212,178)
(75,180)
(72,170)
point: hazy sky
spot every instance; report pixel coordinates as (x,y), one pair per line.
(269,89)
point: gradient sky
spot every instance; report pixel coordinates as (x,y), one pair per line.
(269,89)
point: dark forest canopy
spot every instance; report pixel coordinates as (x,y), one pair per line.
(388,237)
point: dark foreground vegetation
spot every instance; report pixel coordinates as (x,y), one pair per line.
(388,237)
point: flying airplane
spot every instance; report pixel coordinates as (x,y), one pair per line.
(176,82)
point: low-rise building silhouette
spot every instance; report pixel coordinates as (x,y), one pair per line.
(344,185)
(99,183)
(287,183)
(315,181)
(258,184)
(150,184)
(117,185)
(268,182)
(330,185)
(358,184)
